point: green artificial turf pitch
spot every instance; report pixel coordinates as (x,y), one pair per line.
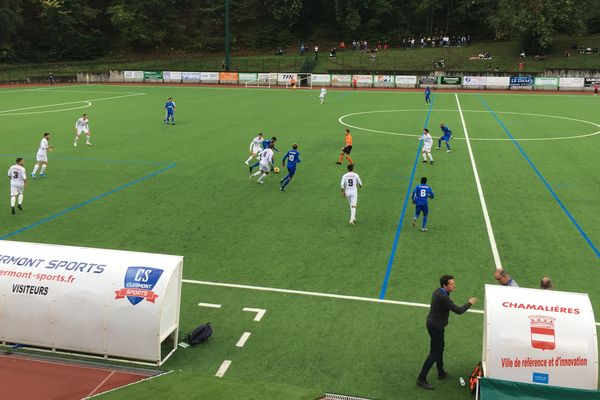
(184,190)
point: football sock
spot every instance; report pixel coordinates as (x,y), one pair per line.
(439,142)
(87,139)
(248,160)
(424,156)
(257,173)
(13,200)
(43,169)
(285,182)
(424,221)
(254,165)
(349,160)
(352,213)
(261,177)
(448,145)
(21,199)
(430,156)
(35,168)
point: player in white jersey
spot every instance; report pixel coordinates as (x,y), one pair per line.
(18,179)
(266,159)
(322,95)
(42,156)
(350,184)
(82,126)
(427,143)
(255,147)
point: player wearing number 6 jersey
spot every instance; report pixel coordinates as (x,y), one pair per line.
(350,184)
(419,198)
(18,180)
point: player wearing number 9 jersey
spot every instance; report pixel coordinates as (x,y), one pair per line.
(350,184)
(419,198)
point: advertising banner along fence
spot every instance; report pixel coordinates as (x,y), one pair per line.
(133,75)
(111,303)
(384,81)
(341,80)
(540,336)
(571,82)
(521,80)
(545,82)
(190,76)
(408,80)
(320,79)
(153,75)
(475,81)
(172,76)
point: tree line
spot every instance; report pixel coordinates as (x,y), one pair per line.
(48,30)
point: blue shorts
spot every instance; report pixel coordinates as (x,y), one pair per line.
(170,113)
(419,208)
(291,171)
(445,137)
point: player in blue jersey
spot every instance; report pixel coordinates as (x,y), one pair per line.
(293,158)
(170,111)
(446,136)
(265,145)
(419,198)
(427,95)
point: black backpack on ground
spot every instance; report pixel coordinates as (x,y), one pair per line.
(200,334)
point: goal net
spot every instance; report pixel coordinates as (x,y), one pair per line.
(260,82)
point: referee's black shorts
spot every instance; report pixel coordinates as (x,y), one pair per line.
(347,149)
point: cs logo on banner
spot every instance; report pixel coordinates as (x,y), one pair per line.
(139,282)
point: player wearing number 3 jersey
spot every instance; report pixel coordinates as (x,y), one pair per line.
(350,184)
(419,198)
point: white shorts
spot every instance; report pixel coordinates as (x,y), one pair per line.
(265,166)
(321,96)
(352,199)
(427,148)
(16,189)
(41,156)
(256,149)
(82,130)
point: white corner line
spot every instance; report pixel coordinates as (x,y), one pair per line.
(209,305)
(259,312)
(243,339)
(100,384)
(486,216)
(223,368)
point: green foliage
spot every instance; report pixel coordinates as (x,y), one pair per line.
(535,22)
(49,30)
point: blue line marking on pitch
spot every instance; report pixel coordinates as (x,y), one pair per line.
(544,181)
(77,206)
(100,160)
(388,271)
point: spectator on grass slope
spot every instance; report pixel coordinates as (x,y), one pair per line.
(504,278)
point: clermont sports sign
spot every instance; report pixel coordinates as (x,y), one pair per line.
(540,336)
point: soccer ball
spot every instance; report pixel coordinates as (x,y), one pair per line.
(276,170)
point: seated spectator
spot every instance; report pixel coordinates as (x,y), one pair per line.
(279,51)
(540,57)
(373,55)
(333,53)
(588,50)
(546,283)
(522,55)
(567,53)
(504,278)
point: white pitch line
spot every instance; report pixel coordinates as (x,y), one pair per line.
(71,102)
(127,385)
(313,294)
(223,368)
(260,312)
(486,216)
(100,384)
(318,294)
(243,339)
(209,305)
